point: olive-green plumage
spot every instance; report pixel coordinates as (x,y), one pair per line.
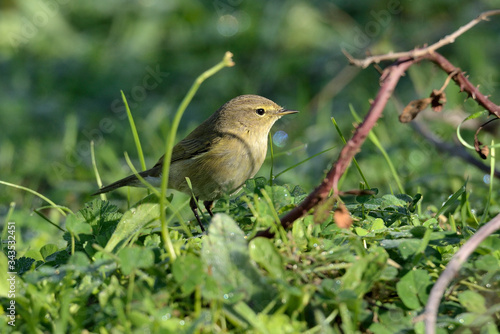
(220,154)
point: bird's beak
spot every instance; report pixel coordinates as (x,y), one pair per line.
(286,112)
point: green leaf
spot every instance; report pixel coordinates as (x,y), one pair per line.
(79,259)
(299,232)
(141,214)
(188,272)
(389,273)
(451,200)
(231,275)
(5,277)
(249,315)
(48,250)
(93,224)
(490,245)
(378,224)
(132,258)
(263,252)
(431,223)
(393,201)
(361,276)
(269,323)
(418,231)
(487,262)
(413,204)
(444,238)
(253,186)
(279,195)
(76,225)
(23,264)
(408,247)
(363,198)
(34,254)
(360,231)
(412,288)
(473,301)
(101,215)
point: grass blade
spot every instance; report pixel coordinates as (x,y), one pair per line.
(303,161)
(134,132)
(170,142)
(271,177)
(353,159)
(52,204)
(374,139)
(473,116)
(96,171)
(484,217)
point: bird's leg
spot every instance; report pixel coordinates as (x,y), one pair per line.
(208,205)
(194,207)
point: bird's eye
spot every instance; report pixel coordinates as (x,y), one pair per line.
(260,111)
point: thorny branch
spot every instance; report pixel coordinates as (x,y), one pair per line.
(464,83)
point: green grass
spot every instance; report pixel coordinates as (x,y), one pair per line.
(115,272)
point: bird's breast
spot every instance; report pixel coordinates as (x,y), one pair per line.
(223,169)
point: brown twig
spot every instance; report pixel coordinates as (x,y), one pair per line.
(419,52)
(447,81)
(451,271)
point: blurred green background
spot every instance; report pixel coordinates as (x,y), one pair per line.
(63,64)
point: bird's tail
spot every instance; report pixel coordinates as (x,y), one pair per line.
(131,181)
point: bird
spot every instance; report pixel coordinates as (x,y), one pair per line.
(219,155)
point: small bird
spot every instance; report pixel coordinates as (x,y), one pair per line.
(219,155)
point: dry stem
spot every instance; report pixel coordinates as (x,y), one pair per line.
(419,52)
(451,271)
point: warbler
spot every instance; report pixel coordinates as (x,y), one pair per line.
(219,155)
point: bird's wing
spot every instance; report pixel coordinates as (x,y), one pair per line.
(190,148)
